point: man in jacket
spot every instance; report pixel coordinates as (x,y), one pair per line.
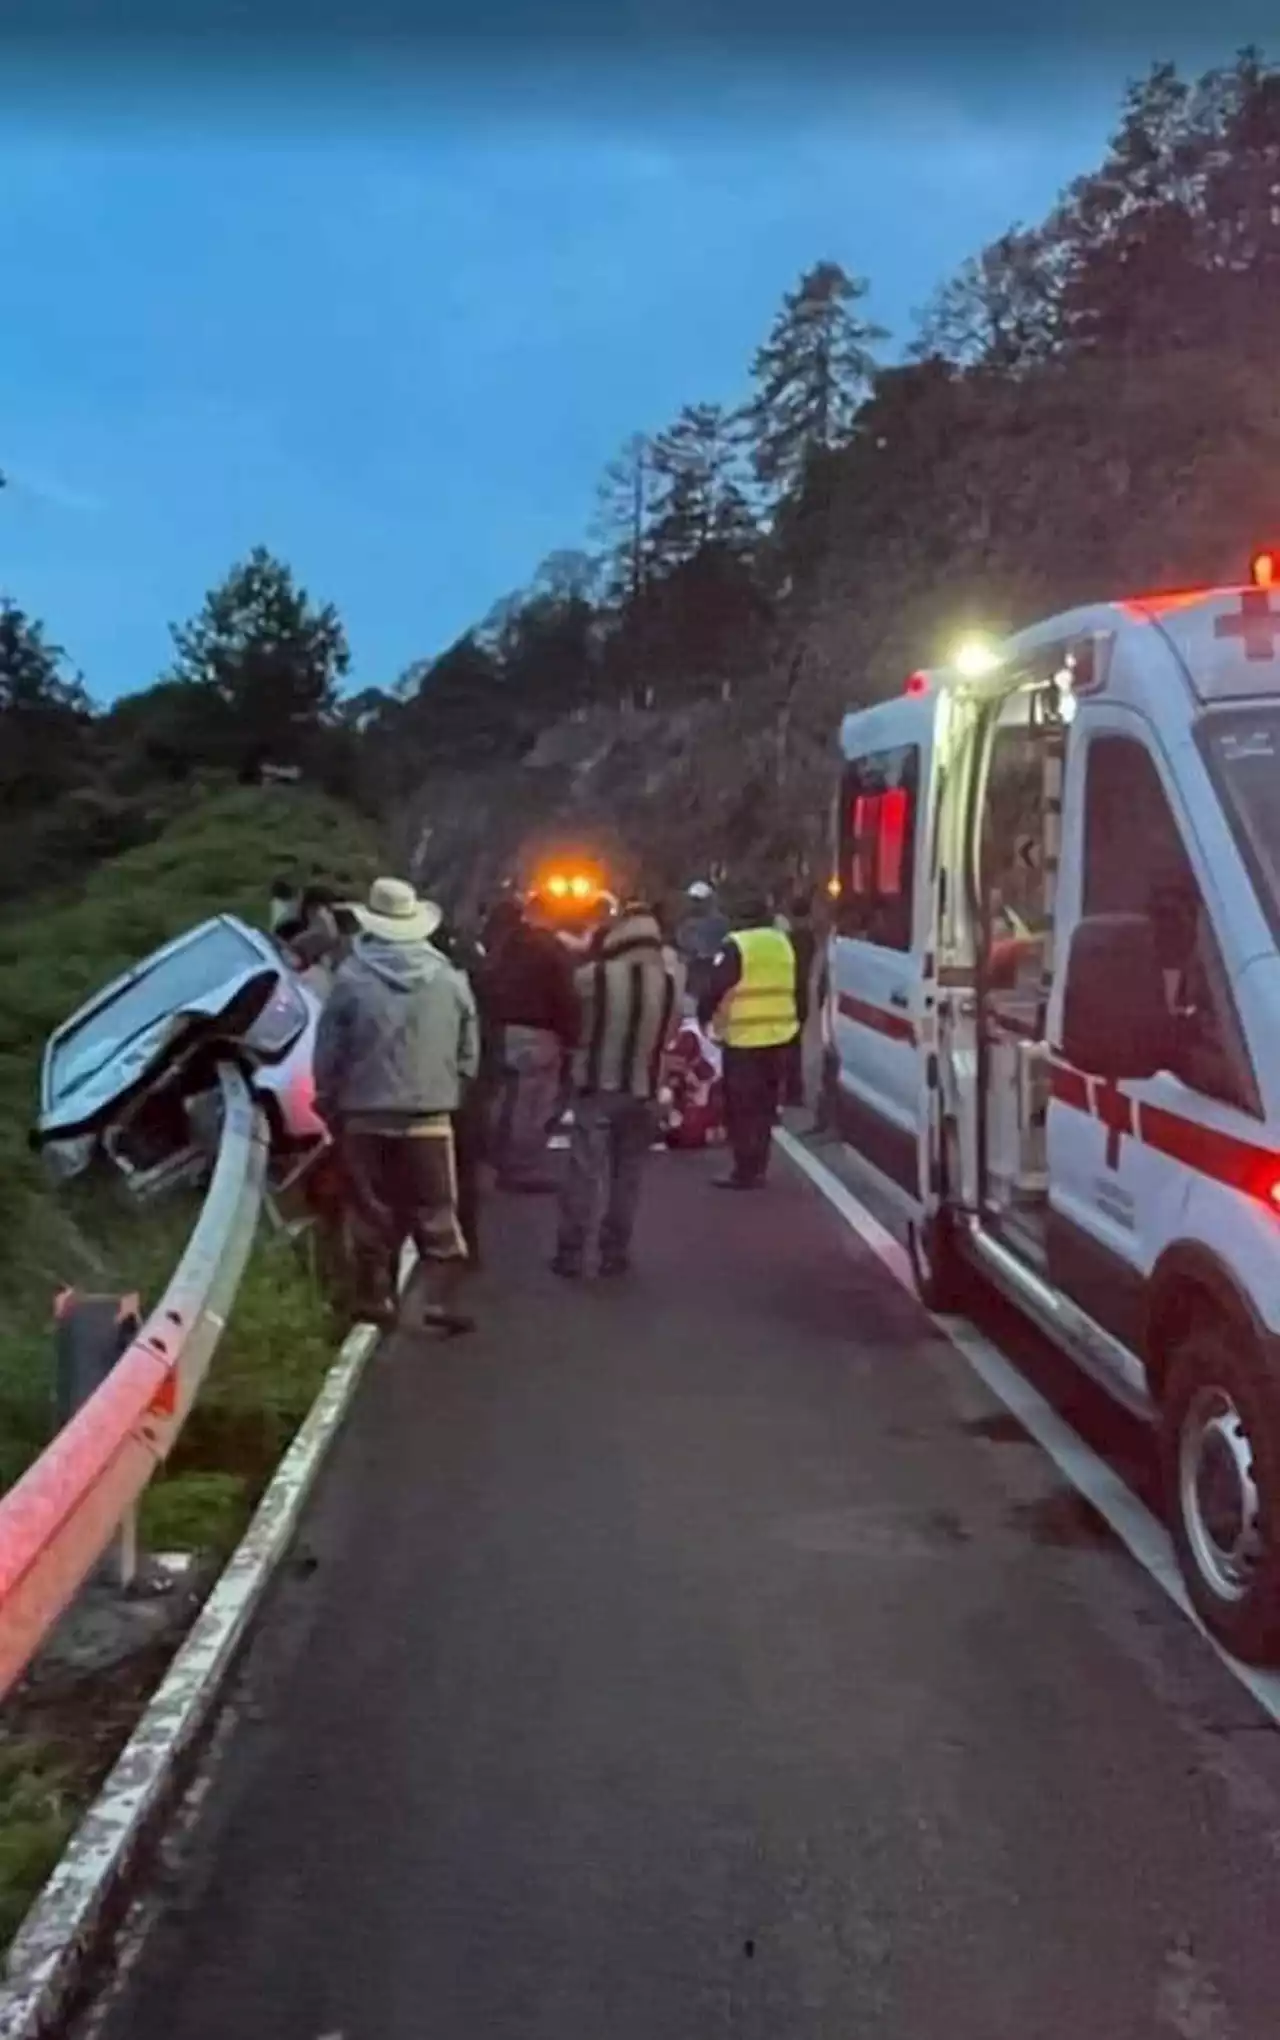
(701,936)
(471,1120)
(396,1041)
(753,1004)
(527,992)
(627,997)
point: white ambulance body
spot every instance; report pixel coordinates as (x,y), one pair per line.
(1054,1025)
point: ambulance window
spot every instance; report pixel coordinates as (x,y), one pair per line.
(1014,881)
(877,843)
(1135,862)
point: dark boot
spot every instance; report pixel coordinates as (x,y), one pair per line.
(441,1312)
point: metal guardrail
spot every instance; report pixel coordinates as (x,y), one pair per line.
(61,1517)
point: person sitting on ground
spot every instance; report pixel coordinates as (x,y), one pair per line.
(627,997)
(396,1040)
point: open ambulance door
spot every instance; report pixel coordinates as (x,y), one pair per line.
(882,950)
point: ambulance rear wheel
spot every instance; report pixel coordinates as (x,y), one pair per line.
(1220,1458)
(944,1279)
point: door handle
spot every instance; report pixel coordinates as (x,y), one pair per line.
(900,999)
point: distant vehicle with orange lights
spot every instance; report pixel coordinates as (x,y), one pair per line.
(572,901)
(1052,1027)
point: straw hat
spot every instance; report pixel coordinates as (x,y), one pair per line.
(395,913)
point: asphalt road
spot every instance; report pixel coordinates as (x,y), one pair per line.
(704,1655)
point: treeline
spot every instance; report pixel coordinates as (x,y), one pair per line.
(1089,406)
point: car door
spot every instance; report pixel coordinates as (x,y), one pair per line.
(876,969)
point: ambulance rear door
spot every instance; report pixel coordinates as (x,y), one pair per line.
(883,935)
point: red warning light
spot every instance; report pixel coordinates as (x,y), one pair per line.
(1262,568)
(917,684)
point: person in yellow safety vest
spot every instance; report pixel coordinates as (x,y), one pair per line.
(752,1003)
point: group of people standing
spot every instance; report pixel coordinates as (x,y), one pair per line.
(437,1054)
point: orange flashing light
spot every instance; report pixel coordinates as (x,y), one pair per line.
(580,887)
(834,887)
(1262,568)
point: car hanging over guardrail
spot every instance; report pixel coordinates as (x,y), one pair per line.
(63,1514)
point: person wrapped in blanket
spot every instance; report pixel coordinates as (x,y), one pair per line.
(692,1096)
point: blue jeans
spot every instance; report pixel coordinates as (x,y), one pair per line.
(612,1134)
(530,1085)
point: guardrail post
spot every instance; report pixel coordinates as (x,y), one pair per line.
(91,1333)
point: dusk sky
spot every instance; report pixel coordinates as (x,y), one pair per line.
(394,333)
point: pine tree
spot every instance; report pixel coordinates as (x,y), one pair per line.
(811,375)
(1001,310)
(44,717)
(267,658)
(700,496)
(624,509)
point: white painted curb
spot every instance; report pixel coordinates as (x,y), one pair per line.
(46,1961)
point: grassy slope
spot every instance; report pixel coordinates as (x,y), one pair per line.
(221,857)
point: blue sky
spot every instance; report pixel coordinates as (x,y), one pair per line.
(395,335)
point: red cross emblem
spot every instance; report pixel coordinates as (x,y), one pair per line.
(1256,623)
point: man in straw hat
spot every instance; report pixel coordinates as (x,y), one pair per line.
(396,1042)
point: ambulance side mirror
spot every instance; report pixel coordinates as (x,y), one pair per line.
(1115,1017)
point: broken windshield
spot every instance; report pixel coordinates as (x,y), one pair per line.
(189,974)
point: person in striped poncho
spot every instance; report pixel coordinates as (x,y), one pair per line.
(627,997)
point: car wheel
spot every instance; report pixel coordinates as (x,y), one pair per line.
(1220,1459)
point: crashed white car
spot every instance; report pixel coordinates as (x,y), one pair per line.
(131,1074)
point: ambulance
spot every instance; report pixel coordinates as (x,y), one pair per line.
(1053,1023)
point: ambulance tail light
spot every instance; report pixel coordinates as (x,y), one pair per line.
(917,684)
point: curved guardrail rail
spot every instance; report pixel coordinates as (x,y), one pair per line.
(59,1519)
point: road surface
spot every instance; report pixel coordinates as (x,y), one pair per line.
(705,1655)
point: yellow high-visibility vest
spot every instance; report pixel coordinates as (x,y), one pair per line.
(760,1011)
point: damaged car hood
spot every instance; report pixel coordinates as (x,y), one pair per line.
(221,985)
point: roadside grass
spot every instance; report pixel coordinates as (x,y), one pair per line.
(59,1737)
(37,1814)
(219,857)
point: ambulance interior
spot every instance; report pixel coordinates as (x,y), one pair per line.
(1134,860)
(1020,808)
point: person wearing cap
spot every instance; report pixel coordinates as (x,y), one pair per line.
(701,936)
(396,1042)
(752,1003)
